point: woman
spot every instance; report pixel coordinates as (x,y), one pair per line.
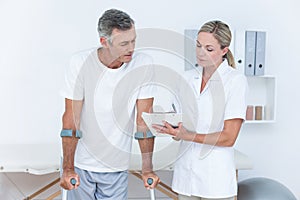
(205,169)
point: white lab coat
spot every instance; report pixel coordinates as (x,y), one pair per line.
(206,170)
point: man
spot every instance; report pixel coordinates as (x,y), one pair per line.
(103,89)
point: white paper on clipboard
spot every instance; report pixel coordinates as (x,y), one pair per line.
(158,118)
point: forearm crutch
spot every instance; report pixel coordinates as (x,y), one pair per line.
(152,193)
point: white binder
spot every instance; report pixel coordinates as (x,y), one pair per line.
(158,118)
(239,49)
(190,37)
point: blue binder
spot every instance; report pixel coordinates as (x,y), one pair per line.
(260,53)
(250,43)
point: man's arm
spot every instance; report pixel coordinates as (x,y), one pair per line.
(146,144)
(71,120)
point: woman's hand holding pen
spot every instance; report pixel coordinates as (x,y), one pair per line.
(179,133)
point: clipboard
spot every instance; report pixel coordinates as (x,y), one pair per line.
(158,118)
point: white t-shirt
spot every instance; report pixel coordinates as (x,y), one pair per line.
(109,98)
(205,170)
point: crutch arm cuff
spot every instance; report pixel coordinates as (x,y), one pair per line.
(141,135)
(69,133)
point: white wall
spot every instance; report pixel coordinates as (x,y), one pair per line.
(38,37)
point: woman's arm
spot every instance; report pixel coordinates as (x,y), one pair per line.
(226,137)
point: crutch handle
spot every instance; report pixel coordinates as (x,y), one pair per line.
(152,194)
(73,181)
(150,181)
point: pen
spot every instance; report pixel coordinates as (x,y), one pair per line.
(174,108)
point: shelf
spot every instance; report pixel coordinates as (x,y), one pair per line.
(259,121)
(262,88)
(262,92)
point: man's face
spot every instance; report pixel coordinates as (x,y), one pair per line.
(122,44)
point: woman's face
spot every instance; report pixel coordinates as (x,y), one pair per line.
(208,50)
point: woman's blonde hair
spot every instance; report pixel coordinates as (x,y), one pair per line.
(222,33)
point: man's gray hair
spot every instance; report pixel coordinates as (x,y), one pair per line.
(112,19)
